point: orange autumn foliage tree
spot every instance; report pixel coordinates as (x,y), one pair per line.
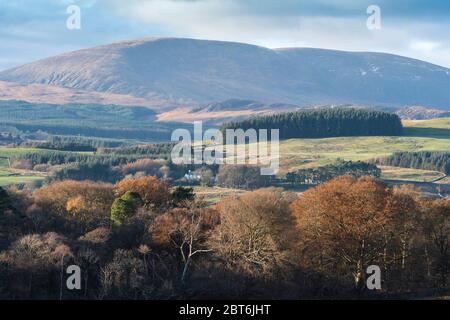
(343,225)
(154,193)
(83,201)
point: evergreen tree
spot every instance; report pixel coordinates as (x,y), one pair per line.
(125,207)
(325,123)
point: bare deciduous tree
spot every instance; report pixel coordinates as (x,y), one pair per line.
(185,229)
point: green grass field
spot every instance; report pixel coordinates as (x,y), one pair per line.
(303,153)
(434,128)
(9,178)
(308,153)
(438,123)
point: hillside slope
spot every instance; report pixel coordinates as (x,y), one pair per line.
(200,71)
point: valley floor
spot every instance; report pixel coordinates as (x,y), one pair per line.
(308,153)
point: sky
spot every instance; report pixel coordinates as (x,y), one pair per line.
(31,30)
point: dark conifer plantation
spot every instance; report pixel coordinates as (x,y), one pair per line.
(427,160)
(339,122)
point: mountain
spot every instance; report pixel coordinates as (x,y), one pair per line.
(196,72)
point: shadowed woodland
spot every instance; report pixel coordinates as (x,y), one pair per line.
(143,239)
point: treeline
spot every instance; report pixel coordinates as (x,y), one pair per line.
(426,160)
(111,165)
(242,177)
(155,134)
(94,171)
(325,123)
(58,158)
(157,150)
(75,166)
(108,165)
(141,239)
(112,156)
(97,171)
(331,171)
(73,143)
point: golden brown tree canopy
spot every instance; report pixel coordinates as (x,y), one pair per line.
(345,224)
(154,193)
(82,200)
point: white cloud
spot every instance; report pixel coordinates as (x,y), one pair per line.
(333,24)
(424,46)
(228,20)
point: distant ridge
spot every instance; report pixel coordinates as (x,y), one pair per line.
(198,72)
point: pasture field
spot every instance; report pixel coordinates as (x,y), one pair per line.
(435,128)
(430,135)
(438,123)
(307,153)
(419,135)
(409,174)
(9,178)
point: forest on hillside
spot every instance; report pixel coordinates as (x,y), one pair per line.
(321,123)
(88,120)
